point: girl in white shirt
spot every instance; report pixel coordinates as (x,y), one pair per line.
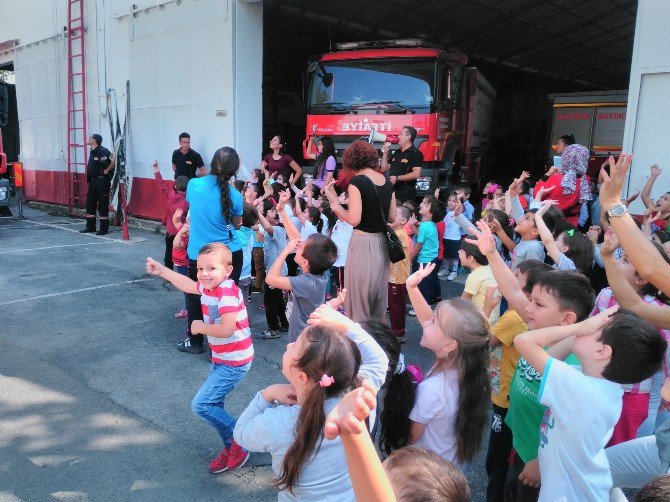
(449,412)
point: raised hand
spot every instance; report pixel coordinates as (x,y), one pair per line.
(596,323)
(423,272)
(348,417)
(631,198)
(338,301)
(484,241)
(284,197)
(655,170)
(543,191)
(155,166)
(292,245)
(593,233)
(325,315)
(329,191)
(546,204)
(610,190)
(494,225)
(610,244)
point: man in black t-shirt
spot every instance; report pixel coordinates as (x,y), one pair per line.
(187,162)
(99,176)
(403,165)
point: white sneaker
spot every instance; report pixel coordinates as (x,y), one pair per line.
(443,273)
(411,312)
(452,276)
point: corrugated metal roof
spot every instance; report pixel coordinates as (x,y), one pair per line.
(580,41)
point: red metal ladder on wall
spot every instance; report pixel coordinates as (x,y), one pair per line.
(76,104)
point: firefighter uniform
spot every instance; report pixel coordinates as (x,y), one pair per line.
(99,184)
(402,163)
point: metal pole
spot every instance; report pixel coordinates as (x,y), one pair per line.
(122,193)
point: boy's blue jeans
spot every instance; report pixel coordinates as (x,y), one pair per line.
(209,401)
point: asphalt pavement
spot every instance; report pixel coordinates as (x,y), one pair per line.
(94,397)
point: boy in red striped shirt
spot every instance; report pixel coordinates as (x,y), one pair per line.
(226,325)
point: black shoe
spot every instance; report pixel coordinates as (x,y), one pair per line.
(104,227)
(191,348)
(402,339)
(87,230)
(283,329)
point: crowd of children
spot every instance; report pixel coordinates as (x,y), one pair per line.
(569,374)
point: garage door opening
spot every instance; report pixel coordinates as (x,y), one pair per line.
(521,131)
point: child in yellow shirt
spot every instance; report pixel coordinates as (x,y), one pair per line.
(398,275)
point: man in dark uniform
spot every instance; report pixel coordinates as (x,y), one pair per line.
(187,162)
(404,165)
(99,176)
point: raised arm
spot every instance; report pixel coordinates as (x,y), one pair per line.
(654,173)
(181,282)
(347,420)
(159,179)
(267,226)
(423,311)
(178,242)
(532,343)
(646,259)
(274,277)
(291,231)
(545,233)
(374,362)
(507,283)
(626,296)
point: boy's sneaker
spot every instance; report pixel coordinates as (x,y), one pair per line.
(443,273)
(191,348)
(412,312)
(261,306)
(402,339)
(283,329)
(463,270)
(268,334)
(452,276)
(220,463)
(238,456)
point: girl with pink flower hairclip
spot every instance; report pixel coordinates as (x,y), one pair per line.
(329,358)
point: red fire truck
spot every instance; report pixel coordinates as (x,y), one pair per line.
(596,119)
(383,86)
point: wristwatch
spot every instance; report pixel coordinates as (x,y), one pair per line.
(617,210)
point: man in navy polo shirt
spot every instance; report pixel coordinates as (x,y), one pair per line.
(403,165)
(187,162)
(98,174)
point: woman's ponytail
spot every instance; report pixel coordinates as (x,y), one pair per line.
(398,403)
(224,166)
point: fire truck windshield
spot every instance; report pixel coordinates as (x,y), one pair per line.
(390,85)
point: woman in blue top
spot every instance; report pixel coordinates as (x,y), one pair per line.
(215,212)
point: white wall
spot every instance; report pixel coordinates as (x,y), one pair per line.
(186,60)
(648,113)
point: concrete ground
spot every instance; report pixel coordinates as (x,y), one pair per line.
(94,397)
